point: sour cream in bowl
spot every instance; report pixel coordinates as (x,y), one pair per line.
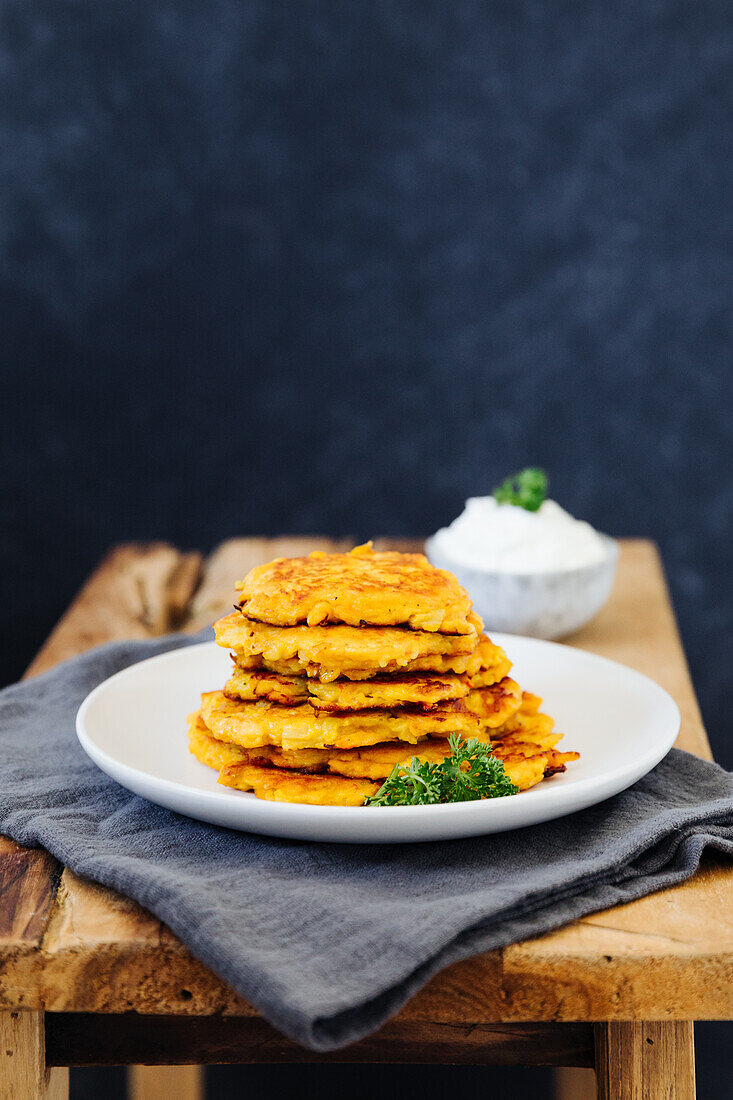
(538,572)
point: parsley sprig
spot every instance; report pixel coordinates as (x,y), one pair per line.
(527,489)
(471,772)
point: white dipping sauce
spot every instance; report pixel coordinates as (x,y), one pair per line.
(505,538)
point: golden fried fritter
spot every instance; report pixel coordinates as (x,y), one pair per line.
(530,703)
(330,652)
(525,771)
(359,588)
(275,785)
(524,768)
(219,754)
(250,684)
(253,724)
(556,762)
(494,705)
(375,761)
(213,753)
(525,745)
(528,771)
(400,689)
(526,764)
(347,665)
(348,787)
(525,724)
(485,665)
(492,673)
(261,723)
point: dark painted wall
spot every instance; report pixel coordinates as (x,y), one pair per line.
(334,266)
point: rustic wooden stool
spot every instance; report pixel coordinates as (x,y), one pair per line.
(89,978)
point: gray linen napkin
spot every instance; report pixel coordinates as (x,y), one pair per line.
(328,940)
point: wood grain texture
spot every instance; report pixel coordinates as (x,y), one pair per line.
(165,1082)
(23,1072)
(26,883)
(645,1061)
(668,956)
(637,627)
(81,1039)
(572,1083)
(136,592)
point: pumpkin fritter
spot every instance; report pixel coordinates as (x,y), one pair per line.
(534,725)
(378,761)
(371,761)
(400,689)
(349,665)
(206,748)
(287,777)
(524,768)
(275,785)
(253,724)
(530,703)
(358,588)
(334,651)
(528,771)
(494,705)
(485,665)
(250,684)
(261,723)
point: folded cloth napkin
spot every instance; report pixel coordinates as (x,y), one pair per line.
(329,940)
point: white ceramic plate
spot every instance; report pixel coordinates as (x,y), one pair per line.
(134,727)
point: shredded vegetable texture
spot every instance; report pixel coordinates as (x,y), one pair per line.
(526,489)
(471,772)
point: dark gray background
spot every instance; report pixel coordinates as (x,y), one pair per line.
(331,267)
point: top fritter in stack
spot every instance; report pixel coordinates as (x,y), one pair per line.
(343,663)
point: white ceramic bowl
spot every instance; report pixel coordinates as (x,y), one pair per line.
(540,605)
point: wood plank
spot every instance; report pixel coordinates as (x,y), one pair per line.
(572,1083)
(645,1061)
(25,877)
(165,1083)
(23,1072)
(103,952)
(96,939)
(136,592)
(28,881)
(637,627)
(81,1039)
(668,956)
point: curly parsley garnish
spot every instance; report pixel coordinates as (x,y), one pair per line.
(468,774)
(526,489)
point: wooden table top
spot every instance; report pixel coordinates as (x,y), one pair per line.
(68,945)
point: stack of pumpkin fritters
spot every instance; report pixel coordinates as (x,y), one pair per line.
(347,664)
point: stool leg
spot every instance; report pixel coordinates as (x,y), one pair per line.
(165,1082)
(23,1073)
(574,1083)
(645,1060)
